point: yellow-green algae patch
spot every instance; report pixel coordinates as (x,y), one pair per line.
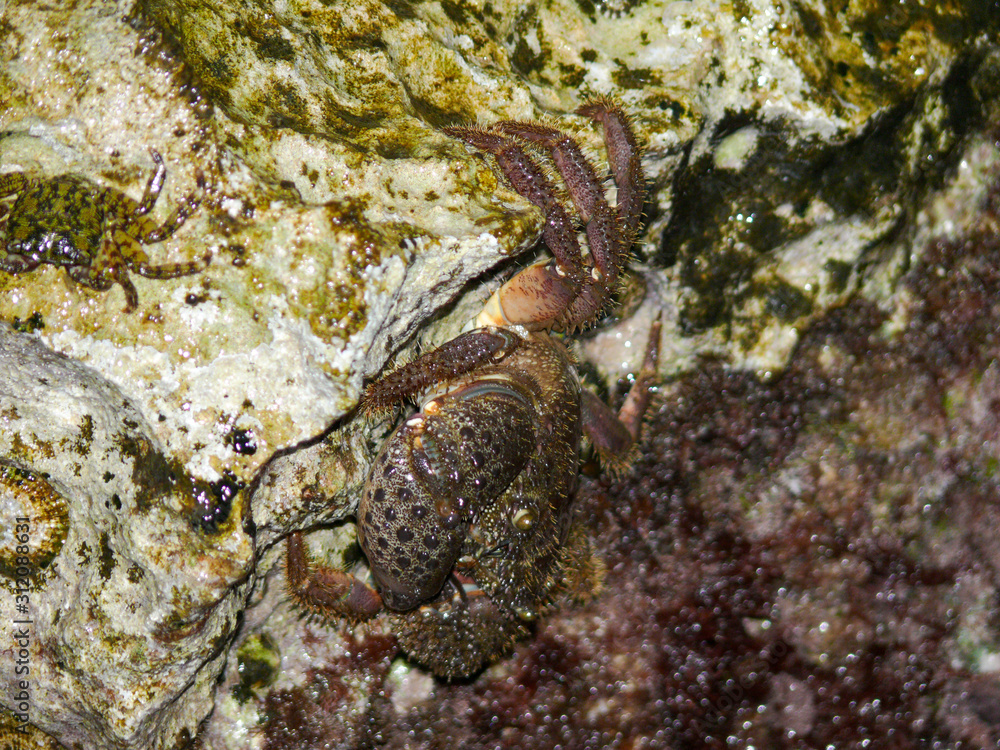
(36,523)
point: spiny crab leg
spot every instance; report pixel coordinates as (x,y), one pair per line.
(321,590)
(584,188)
(614,436)
(624,156)
(562,294)
(637,400)
(529,180)
(539,296)
(454,359)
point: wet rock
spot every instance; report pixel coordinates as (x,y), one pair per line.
(131,574)
(797,156)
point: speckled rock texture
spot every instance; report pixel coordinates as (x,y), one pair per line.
(135,573)
(799,557)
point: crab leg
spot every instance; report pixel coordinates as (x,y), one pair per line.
(575,168)
(637,400)
(11,183)
(624,155)
(604,235)
(153,187)
(180,214)
(171,270)
(528,179)
(321,590)
(460,356)
(610,232)
(144,230)
(553,286)
(105,277)
(613,436)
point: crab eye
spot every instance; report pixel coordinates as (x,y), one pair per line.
(523,519)
(525,613)
(448,512)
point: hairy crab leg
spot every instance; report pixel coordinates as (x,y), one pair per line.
(604,234)
(615,435)
(610,232)
(529,180)
(575,168)
(458,357)
(320,590)
(538,303)
(624,156)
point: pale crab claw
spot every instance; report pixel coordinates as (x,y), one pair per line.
(536,298)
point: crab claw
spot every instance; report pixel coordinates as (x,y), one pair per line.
(536,298)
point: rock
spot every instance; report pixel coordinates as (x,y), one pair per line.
(795,154)
(135,573)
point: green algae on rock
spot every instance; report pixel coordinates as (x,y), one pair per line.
(36,523)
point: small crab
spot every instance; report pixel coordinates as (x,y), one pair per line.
(466,515)
(96,233)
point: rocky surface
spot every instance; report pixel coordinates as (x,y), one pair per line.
(124,576)
(822,182)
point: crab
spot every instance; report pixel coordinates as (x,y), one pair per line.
(466,518)
(96,233)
